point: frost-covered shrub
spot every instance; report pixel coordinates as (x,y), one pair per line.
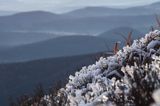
(156,97)
(127,78)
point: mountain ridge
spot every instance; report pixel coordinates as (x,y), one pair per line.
(56,47)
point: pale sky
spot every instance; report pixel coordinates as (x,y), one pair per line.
(65,5)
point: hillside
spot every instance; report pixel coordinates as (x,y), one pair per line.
(56,47)
(21,78)
(29,17)
(130,77)
(12,39)
(5,13)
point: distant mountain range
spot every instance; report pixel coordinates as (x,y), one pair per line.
(27,30)
(88,25)
(67,45)
(105,11)
(91,20)
(57,47)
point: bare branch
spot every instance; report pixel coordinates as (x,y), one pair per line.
(152,28)
(116,47)
(129,39)
(158,20)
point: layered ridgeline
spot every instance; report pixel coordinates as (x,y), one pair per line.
(129,77)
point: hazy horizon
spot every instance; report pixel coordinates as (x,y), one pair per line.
(60,6)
